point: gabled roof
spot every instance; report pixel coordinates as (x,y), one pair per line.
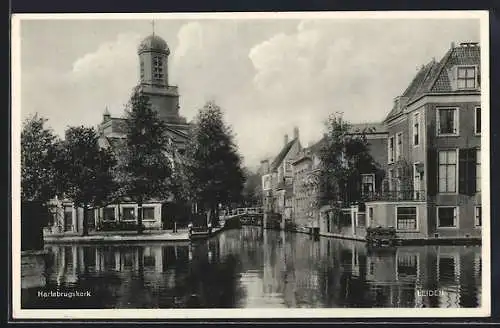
(284,151)
(433,78)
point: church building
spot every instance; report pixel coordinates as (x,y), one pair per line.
(153,53)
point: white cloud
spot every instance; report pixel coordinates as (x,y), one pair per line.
(267,77)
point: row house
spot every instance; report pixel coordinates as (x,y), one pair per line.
(277,178)
(433,169)
(308,208)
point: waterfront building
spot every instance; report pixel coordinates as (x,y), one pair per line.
(307,190)
(433,152)
(153,53)
(278,178)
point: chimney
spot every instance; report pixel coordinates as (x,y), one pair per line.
(265,166)
(452,45)
(296,132)
(286,139)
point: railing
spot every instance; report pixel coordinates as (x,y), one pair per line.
(243,211)
(395,195)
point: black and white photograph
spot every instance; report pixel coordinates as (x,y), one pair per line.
(253,165)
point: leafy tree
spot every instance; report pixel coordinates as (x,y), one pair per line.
(85,170)
(145,163)
(213,165)
(252,189)
(37,155)
(344,157)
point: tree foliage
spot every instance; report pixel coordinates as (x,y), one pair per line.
(213,165)
(84,170)
(37,155)
(252,188)
(145,161)
(344,157)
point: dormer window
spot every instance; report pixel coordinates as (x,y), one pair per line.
(466,77)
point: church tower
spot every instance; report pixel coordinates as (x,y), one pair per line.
(153,54)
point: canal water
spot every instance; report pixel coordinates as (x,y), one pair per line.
(252,268)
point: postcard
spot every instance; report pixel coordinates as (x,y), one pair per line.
(250,165)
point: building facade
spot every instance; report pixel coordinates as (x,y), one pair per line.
(434,163)
(153,53)
(278,178)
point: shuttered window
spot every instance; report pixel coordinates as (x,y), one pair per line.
(468,171)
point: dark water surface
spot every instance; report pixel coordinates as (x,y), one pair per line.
(252,267)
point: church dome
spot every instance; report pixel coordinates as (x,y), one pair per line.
(153,43)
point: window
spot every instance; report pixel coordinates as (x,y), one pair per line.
(370,215)
(142,69)
(148,213)
(416,129)
(447,121)
(447,217)
(466,77)
(109,214)
(157,68)
(68,217)
(447,171)
(367,183)
(478,216)
(406,218)
(390,178)
(390,150)
(477,120)
(478,170)
(128,214)
(399,145)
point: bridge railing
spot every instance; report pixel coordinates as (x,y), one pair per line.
(242,211)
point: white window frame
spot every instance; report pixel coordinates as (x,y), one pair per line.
(456,173)
(116,219)
(476,216)
(476,82)
(456,122)
(391,152)
(127,207)
(373,179)
(398,150)
(456,218)
(475,120)
(416,119)
(417,225)
(149,207)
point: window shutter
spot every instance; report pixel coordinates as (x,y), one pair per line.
(432,177)
(471,169)
(462,171)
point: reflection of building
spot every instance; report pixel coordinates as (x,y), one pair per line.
(153,54)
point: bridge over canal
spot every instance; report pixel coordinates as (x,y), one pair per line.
(243,216)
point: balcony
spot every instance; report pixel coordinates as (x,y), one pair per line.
(395,196)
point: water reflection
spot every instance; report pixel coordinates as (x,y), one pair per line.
(255,268)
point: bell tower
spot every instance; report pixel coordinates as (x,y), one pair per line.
(153,54)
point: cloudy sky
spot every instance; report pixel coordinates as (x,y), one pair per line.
(267,75)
